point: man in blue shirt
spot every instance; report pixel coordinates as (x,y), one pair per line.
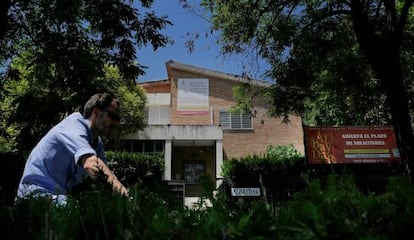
(72,151)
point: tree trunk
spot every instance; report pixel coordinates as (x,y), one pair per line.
(4,9)
(264,190)
(390,73)
(383,54)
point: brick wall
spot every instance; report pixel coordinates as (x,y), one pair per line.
(266,131)
(236,143)
(157,87)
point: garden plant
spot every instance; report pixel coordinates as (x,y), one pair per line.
(334,208)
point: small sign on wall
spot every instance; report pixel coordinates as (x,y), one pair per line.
(245,192)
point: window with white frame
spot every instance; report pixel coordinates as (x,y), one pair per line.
(158,109)
(229,120)
(158,114)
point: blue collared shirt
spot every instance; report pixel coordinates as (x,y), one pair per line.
(52,165)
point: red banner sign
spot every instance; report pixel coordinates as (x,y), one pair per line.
(351,145)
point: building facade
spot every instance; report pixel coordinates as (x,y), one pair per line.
(190,121)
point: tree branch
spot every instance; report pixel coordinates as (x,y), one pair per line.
(327,15)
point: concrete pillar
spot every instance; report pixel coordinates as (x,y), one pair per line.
(219,161)
(167,158)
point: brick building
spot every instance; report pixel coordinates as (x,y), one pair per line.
(189,120)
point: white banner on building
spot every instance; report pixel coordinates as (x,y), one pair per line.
(192,96)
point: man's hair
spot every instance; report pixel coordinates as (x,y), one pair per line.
(99,100)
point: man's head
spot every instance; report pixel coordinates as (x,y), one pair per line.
(102,109)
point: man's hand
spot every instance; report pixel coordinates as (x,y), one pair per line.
(92,164)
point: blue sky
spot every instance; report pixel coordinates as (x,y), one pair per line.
(206,53)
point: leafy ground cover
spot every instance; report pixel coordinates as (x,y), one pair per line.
(330,208)
(334,210)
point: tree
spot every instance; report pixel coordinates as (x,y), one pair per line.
(59,52)
(62,31)
(380,29)
(325,79)
(29,109)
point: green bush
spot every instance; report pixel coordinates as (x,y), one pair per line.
(286,155)
(132,168)
(331,209)
(338,209)
(92,215)
(277,160)
(145,170)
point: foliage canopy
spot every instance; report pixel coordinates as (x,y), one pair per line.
(329,58)
(55,54)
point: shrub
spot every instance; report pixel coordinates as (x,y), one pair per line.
(336,209)
(276,160)
(331,209)
(132,168)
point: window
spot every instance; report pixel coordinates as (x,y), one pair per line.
(143,146)
(193,172)
(231,120)
(158,114)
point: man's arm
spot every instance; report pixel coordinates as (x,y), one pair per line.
(92,164)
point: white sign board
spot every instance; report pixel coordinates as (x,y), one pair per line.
(192,96)
(243,192)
